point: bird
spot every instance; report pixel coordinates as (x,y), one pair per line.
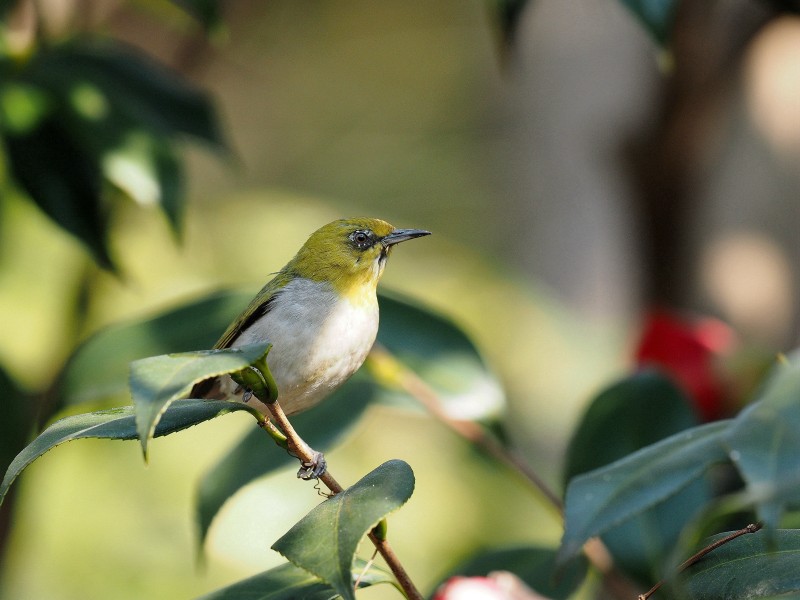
(319,312)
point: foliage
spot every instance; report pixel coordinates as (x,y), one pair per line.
(101,120)
(97,115)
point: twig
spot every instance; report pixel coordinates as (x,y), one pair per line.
(266,391)
(752,528)
(393,372)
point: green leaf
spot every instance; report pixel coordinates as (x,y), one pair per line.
(115,424)
(324,542)
(441,353)
(764,443)
(508,14)
(288,582)
(604,498)
(759,565)
(640,410)
(207,12)
(98,369)
(533,565)
(80,111)
(257,455)
(631,414)
(159,380)
(62,180)
(17,418)
(6,6)
(657,17)
(96,78)
(146,168)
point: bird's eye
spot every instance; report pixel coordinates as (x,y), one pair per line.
(361,238)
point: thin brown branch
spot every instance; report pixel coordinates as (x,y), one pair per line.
(752,528)
(306,455)
(394,373)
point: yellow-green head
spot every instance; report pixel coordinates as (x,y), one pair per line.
(350,254)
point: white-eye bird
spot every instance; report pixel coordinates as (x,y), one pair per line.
(319,312)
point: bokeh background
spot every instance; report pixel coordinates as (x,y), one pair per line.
(536,160)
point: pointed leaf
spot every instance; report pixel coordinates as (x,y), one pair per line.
(288,582)
(604,498)
(63,181)
(207,12)
(17,418)
(257,455)
(640,410)
(764,443)
(509,13)
(114,424)
(324,542)
(759,565)
(98,370)
(129,83)
(533,565)
(159,380)
(147,170)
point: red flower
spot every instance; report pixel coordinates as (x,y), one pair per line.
(688,351)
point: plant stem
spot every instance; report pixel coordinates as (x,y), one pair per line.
(303,451)
(752,528)
(396,374)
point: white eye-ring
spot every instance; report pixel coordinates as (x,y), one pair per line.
(362,238)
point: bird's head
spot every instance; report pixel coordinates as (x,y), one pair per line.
(349,253)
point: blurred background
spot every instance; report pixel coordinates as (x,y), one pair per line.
(575,172)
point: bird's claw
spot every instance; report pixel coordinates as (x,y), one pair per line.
(314,469)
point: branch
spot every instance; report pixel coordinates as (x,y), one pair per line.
(266,392)
(752,528)
(396,374)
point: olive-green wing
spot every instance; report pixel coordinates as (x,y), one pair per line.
(258,307)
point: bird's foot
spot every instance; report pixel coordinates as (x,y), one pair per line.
(314,469)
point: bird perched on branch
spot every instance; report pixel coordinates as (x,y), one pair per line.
(319,312)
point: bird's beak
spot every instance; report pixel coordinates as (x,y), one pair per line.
(401,235)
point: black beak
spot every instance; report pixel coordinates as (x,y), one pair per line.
(401,235)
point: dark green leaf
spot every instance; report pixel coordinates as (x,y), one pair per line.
(324,542)
(115,424)
(98,370)
(441,353)
(144,167)
(656,16)
(759,565)
(631,414)
(257,455)
(508,16)
(99,78)
(16,420)
(288,582)
(99,109)
(535,566)
(63,181)
(603,499)
(5,6)
(764,443)
(207,12)
(627,416)
(157,381)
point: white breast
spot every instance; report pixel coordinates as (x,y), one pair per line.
(319,339)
